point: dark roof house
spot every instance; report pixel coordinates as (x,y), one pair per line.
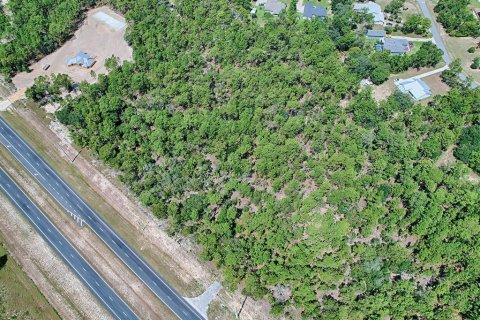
(396,46)
(81,59)
(312,11)
(376,34)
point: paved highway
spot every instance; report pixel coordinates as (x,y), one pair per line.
(71,202)
(57,241)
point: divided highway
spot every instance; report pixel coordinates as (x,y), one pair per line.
(69,254)
(71,202)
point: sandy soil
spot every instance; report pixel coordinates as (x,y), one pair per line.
(93,37)
(47,270)
(126,284)
(436,84)
(447,157)
(384,90)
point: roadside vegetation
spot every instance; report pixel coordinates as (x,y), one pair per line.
(19,297)
(255,140)
(235,135)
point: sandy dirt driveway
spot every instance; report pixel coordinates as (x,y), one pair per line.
(101,35)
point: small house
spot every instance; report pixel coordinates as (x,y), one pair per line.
(416,88)
(81,59)
(274,7)
(376,34)
(311,11)
(396,46)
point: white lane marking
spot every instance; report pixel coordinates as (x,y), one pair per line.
(84,269)
(69,262)
(49,230)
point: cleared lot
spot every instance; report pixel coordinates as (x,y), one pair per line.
(101,35)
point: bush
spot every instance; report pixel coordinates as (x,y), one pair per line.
(476,63)
(471,50)
(469,147)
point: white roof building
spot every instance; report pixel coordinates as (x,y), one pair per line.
(417,88)
(373,8)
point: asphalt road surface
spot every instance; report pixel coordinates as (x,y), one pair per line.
(71,202)
(439,40)
(433,29)
(57,241)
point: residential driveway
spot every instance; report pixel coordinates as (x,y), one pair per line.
(415,39)
(436,35)
(439,41)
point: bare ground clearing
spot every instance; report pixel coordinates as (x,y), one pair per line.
(175,259)
(95,37)
(447,157)
(126,284)
(383,91)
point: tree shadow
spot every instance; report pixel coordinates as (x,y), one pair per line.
(3,261)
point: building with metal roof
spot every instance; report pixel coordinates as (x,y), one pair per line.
(376,34)
(417,88)
(396,46)
(82,59)
(312,11)
(274,7)
(372,8)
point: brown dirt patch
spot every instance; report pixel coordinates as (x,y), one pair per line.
(95,38)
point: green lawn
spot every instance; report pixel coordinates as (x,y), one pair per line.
(19,297)
(475,3)
(416,46)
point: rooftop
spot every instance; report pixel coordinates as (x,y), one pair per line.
(82,59)
(417,88)
(274,6)
(376,33)
(373,8)
(312,11)
(396,45)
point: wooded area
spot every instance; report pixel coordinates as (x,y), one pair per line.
(34,29)
(256,141)
(457,19)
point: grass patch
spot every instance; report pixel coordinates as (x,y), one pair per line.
(475,3)
(415,47)
(19,297)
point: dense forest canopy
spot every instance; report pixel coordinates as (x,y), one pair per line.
(457,19)
(31,29)
(257,141)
